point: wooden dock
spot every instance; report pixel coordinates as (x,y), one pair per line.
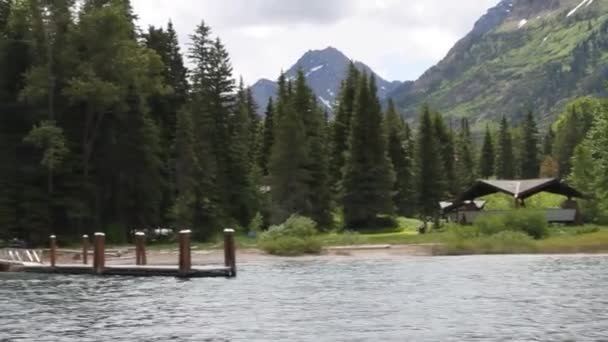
(30,261)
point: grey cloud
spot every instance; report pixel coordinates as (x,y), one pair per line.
(399,38)
(450,15)
(237,13)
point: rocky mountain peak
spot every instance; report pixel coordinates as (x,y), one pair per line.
(324,70)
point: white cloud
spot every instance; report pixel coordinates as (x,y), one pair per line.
(399,39)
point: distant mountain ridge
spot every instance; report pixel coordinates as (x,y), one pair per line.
(324,69)
(521,53)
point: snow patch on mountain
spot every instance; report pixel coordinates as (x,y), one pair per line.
(522,23)
(327,103)
(584,2)
(317,68)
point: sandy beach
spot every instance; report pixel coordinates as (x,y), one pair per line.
(123,256)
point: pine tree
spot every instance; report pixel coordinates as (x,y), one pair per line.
(465,163)
(368,176)
(341,125)
(530,164)
(288,174)
(209,133)
(240,194)
(504,152)
(571,129)
(268,139)
(429,164)
(400,154)
(164,107)
(445,143)
(486,159)
(316,163)
(548,142)
(187,170)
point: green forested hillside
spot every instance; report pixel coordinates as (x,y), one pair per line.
(522,54)
(104,128)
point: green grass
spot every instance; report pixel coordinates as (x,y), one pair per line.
(452,240)
(591,239)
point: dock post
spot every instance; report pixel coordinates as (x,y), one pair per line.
(53,250)
(185,261)
(85,249)
(229,251)
(99,255)
(140,248)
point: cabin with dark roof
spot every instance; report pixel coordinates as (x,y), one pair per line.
(464,208)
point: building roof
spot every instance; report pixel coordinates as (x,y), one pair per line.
(520,189)
(447,205)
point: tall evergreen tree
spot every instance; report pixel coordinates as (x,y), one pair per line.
(429,165)
(208,132)
(341,125)
(445,143)
(368,173)
(530,164)
(486,159)
(288,174)
(465,163)
(504,163)
(268,138)
(548,142)
(400,153)
(241,197)
(164,107)
(571,129)
(316,164)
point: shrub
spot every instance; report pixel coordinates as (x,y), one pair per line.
(533,223)
(296,236)
(256,223)
(530,222)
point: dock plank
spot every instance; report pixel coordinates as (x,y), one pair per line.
(129,270)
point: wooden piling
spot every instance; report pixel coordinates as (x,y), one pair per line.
(185,258)
(99,255)
(53,250)
(85,249)
(140,248)
(229,251)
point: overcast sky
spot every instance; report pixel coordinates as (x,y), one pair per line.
(399,39)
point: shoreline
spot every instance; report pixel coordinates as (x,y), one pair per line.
(126,255)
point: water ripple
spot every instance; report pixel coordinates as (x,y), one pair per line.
(477,298)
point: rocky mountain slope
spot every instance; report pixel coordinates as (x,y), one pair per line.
(522,53)
(324,69)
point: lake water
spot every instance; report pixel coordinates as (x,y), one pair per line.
(484,298)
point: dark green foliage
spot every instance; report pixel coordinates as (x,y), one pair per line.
(529,155)
(572,127)
(445,143)
(530,222)
(288,175)
(298,165)
(241,149)
(164,108)
(548,142)
(368,174)
(429,166)
(341,126)
(400,153)
(466,172)
(505,160)
(268,138)
(486,159)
